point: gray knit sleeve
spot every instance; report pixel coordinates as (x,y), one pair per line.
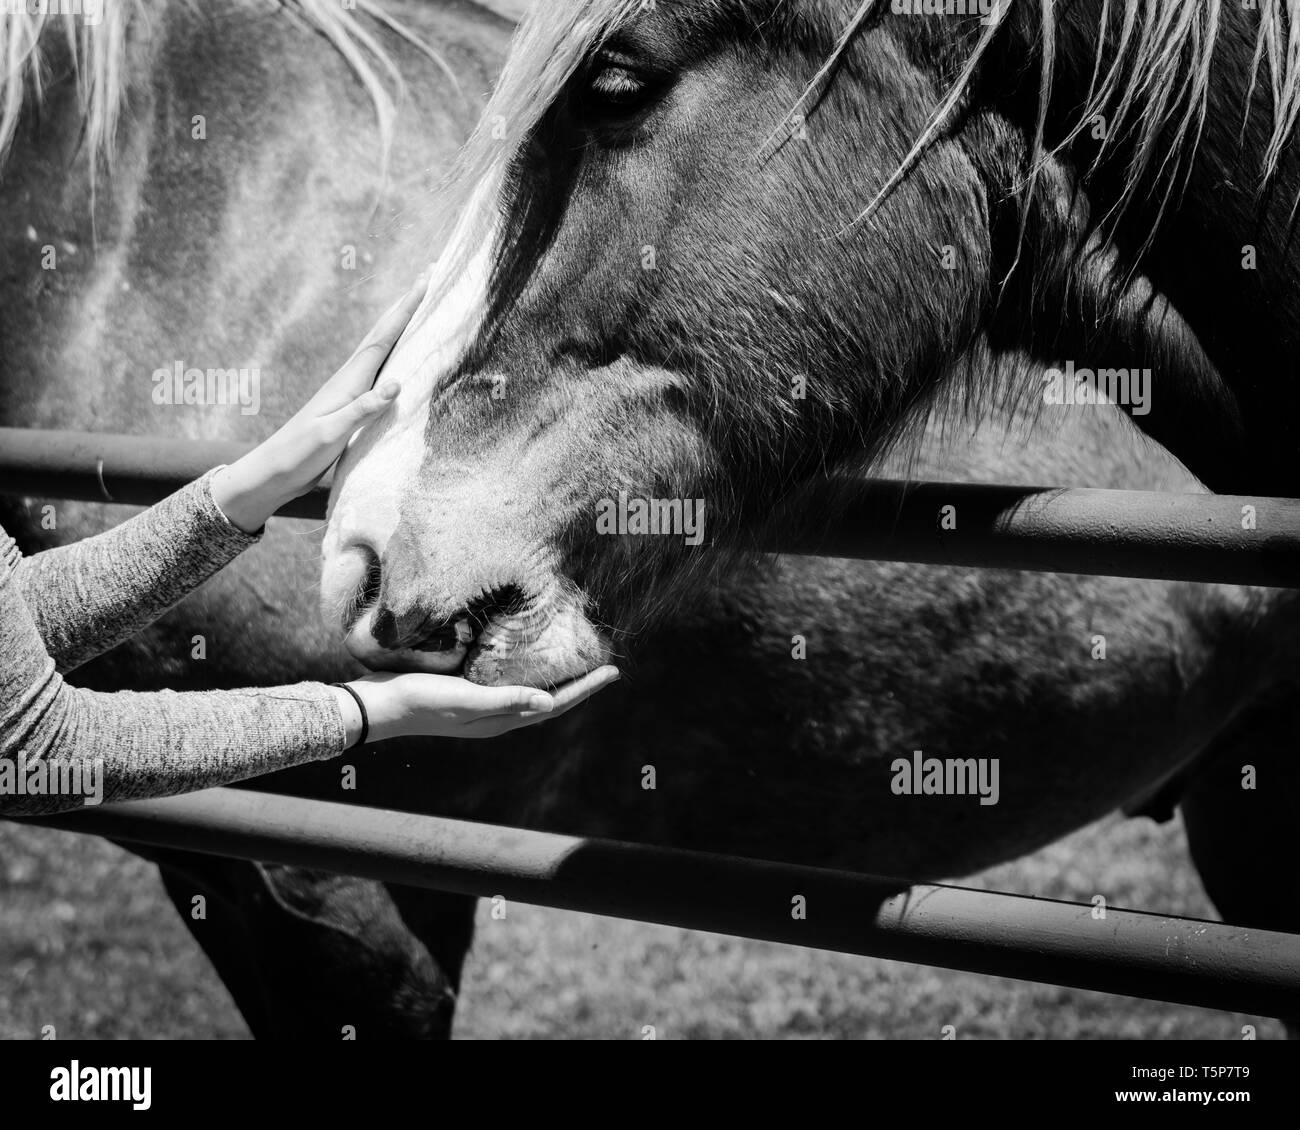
(62,747)
(89,596)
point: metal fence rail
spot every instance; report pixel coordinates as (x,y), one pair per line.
(1172,959)
(1118,533)
(1189,537)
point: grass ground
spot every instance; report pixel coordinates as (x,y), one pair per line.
(89,943)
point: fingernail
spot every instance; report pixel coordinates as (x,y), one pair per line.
(541,702)
(389,389)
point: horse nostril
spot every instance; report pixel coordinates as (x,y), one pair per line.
(370,583)
(366,594)
(384,629)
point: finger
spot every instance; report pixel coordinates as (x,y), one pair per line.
(490,701)
(359,372)
(565,699)
(399,313)
(381,339)
(578,691)
(342,424)
(572,695)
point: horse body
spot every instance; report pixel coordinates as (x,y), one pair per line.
(227,253)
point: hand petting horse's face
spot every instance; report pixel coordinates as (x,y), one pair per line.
(668,309)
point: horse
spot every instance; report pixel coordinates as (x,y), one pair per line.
(234,247)
(667,279)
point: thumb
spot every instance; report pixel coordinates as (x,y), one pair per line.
(513,700)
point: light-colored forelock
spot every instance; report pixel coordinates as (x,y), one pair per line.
(554,39)
(99,50)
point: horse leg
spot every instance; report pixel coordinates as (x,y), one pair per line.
(311,955)
(216,923)
(344,961)
(443,922)
(1240,837)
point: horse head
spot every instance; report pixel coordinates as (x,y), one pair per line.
(702,252)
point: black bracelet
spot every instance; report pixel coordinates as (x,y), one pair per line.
(365,718)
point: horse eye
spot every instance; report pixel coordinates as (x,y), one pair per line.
(616,85)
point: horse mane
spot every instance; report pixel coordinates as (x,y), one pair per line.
(98,45)
(1154,93)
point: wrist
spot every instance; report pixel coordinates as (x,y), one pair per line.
(247,499)
(385,706)
(350,712)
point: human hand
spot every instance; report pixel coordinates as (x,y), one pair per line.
(446,706)
(293,460)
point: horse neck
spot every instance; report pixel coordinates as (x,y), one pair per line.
(1118,275)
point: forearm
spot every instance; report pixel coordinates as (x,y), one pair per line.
(60,745)
(83,747)
(89,596)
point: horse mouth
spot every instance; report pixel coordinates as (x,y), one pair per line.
(445,655)
(471,647)
(453,650)
(444,644)
(487,638)
(506,635)
(539,649)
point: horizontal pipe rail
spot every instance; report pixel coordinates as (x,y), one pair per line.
(131,470)
(1105,532)
(1165,536)
(1145,955)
